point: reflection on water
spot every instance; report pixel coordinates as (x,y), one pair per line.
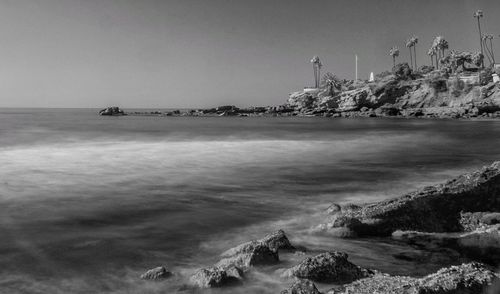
(88,203)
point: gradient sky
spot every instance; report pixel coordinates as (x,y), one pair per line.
(201,53)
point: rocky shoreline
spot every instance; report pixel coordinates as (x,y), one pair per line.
(425,93)
(461,215)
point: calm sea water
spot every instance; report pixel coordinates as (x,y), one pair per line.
(88,203)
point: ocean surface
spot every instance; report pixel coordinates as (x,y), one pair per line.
(89,203)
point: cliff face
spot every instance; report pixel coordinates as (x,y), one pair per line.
(429,95)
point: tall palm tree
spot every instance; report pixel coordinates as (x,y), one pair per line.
(415,41)
(431,52)
(489,47)
(394,52)
(479,14)
(409,44)
(316,70)
(436,46)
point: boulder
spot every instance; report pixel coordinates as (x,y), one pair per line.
(329,267)
(469,278)
(432,209)
(302,287)
(215,277)
(249,254)
(157,273)
(277,240)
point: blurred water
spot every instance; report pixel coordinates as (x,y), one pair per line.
(87,203)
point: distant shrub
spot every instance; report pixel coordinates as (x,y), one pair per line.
(485,76)
(402,71)
(425,69)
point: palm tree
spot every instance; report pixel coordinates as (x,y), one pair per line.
(415,41)
(431,52)
(409,44)
(316,69)
(478,14)
(489,48)
(436,43)
(443,45)
(394,52)
(332,82)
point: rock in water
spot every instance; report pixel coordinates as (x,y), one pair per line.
(277,240)
(215,277)
(158,273)
(114,110)
(467,278)
(330,267)
(249,254)
(301,287)
(432,209)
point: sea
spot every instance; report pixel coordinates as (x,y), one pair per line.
(88,203)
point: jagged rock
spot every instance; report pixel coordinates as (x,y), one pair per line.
(111,111)
(277,240)
(156,273)
(302,99)
(215,277)
(249,254)
(353,100)
(330,267)
(302,287)
(467,278)
(432,209)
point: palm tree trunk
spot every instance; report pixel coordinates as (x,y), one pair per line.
(432,60)
(415,56)
(393,61)
(480,39)
(492,51)
(411,58)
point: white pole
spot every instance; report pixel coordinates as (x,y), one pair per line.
(356,67)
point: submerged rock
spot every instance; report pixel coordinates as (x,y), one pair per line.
(467,278)
(157,273)
(432,209)
(330,267)
(302,287)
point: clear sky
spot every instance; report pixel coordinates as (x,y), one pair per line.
(200,53)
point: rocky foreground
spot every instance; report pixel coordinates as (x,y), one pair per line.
(462,215)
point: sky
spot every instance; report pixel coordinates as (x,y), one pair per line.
(204,53)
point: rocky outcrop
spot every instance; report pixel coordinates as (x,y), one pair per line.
(467,278)
(330,267)
(432,94)
(157,273)
(432,209)
(302,287)
(111,111)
